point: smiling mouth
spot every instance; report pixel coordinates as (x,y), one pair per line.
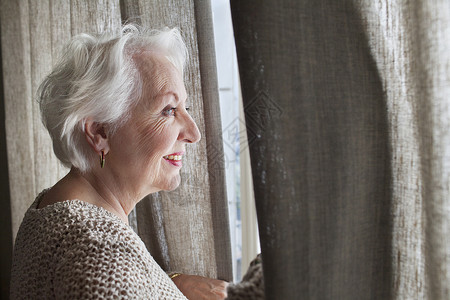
(174,159)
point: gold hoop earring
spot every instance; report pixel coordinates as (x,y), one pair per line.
(102,159)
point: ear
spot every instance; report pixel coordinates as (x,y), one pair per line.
(96,135)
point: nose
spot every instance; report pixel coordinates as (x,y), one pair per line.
(190,132)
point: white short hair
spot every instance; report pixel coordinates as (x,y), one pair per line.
(97,77)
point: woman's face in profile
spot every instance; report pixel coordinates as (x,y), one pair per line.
(149,148)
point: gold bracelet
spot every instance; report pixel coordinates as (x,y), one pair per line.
(174,275)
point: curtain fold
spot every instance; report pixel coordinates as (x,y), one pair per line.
(214,142)
(32,34)
(433,116)
(6,237)
(189,227)
(348,101)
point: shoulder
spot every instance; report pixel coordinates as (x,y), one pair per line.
(101,256)
(99,262)
(57,228)
(84,251)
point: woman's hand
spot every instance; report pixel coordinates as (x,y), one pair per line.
(199,288)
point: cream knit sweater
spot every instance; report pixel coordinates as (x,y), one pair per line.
(76,250)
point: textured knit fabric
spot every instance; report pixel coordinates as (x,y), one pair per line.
(76,250)
(252,285)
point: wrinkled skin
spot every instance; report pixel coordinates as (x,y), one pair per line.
(159,125)
(201,288)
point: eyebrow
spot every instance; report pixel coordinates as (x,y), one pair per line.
(162,95)
(177,98)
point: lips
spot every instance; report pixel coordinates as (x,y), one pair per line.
(175,158)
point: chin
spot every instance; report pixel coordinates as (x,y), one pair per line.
(173,183)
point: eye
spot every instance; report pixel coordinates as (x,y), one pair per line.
(169,112)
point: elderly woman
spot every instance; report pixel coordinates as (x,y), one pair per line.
(115,108)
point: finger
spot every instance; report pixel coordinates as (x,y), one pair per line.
(220,291)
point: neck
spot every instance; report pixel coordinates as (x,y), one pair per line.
(105,192)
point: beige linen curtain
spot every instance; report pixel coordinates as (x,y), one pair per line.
(185,230)
(348,104)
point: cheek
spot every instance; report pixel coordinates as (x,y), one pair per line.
(152,136)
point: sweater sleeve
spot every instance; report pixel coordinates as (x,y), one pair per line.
(93,269)
(105,268)
(76,250)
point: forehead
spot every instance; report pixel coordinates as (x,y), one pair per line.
(159,76)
